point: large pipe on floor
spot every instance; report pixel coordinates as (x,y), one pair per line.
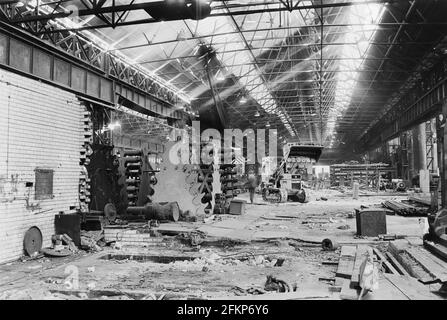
(157,211)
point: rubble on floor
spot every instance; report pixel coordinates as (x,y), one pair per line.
(407,208)
(273,251)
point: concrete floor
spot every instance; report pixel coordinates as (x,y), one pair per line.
(267,233)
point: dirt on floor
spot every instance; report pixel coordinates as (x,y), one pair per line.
(279,242)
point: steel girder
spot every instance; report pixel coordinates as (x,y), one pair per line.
(81,47)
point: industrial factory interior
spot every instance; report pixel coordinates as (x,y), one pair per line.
(223,150)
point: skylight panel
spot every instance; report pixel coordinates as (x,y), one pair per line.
(364,19)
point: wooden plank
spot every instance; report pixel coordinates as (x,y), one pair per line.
(348,293)
(339,281)
(360,256)
(398,246)
(384,261)
(419,200)
(414,241)
(396,264)
(337,285)
(345,267)
(346,262)
(385,291)
(348,251)
(398,249)
(415,269)
(411,288)
(436,268)
(439,250)
(170,229)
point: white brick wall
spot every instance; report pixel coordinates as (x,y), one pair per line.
(40,126)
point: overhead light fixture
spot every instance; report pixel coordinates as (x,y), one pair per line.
(257,114)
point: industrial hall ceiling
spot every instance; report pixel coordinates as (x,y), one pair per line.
(321,72)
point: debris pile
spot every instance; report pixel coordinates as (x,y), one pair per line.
(211,259)
(62,246)
(92,240)
(406,208)
(277,285)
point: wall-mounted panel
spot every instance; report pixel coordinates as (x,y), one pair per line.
(107,90)
(141,100)
(42,64)
(78,78)
(20,55)
(44,184)
(93,84)
(62,72)
(4,49)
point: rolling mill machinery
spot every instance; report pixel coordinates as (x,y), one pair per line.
(99,189)
(120,182)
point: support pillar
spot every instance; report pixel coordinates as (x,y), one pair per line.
(422,146)
(424,180)
(435,146)
(411,151)
(424,173)
(441,123)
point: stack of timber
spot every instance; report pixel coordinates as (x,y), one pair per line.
(420,201)
(347,277)
(405,208)
(438,249)
(419,262)
(395,283)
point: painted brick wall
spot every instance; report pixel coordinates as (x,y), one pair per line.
(40,127)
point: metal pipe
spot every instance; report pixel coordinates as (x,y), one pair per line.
(157,211)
